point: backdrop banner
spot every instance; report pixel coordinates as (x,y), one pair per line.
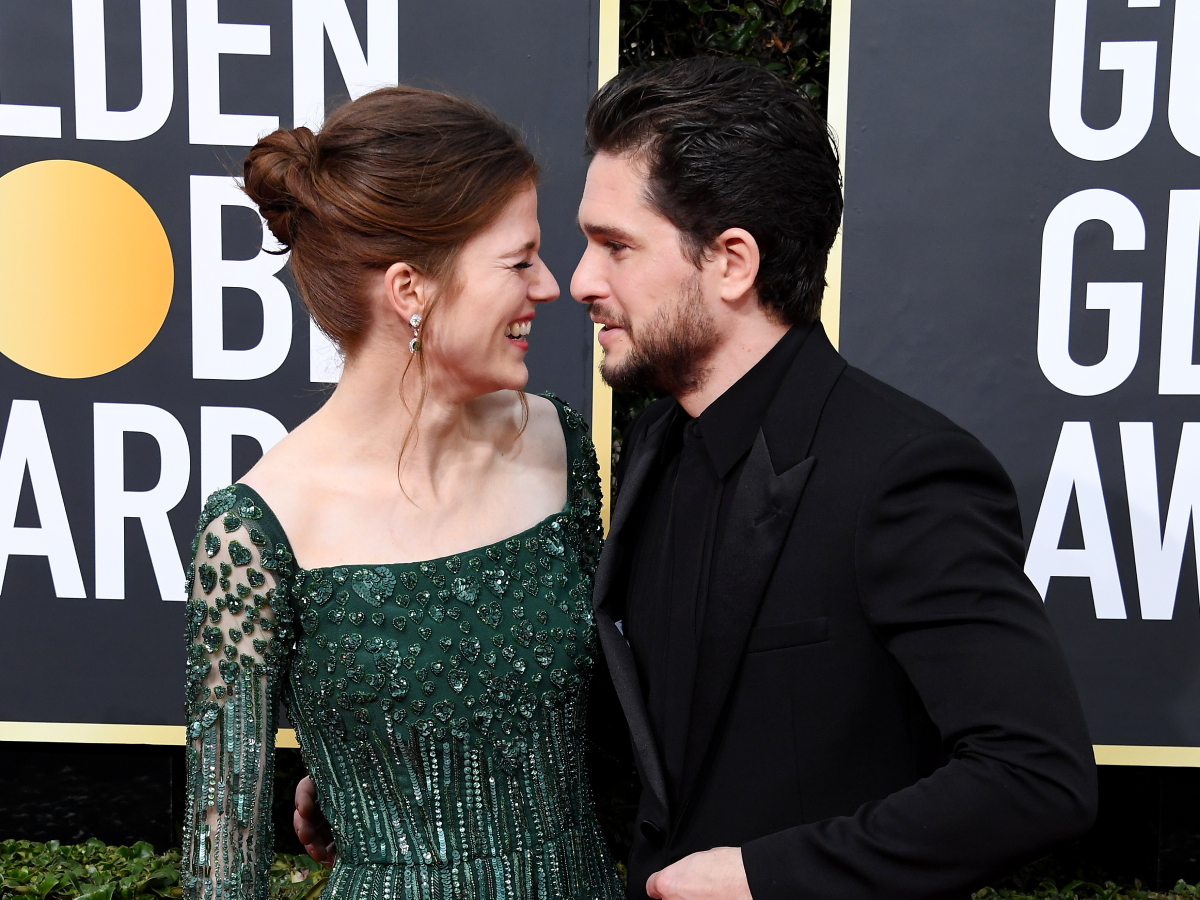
(1020,251)
(151,347)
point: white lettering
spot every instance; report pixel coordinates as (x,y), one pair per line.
(218,425)
(324,359)
(207,40)
(1183,108)
(1136,59)
(93,119)
(1158,554)
(362,72)
(211,274)
(1123,300)
(114,504)
(26,446)
(1176,373)
(1075,469)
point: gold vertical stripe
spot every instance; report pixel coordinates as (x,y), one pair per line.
(608,63)
(602,428)
(81,733)
(610,39)
(839,84)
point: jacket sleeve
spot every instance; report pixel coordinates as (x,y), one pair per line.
(938,558)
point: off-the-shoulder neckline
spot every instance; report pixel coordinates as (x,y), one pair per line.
(559,405)
(536,527)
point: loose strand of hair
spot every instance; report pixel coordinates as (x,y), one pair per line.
(413,427)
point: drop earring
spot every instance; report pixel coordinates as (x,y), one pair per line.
(415,344)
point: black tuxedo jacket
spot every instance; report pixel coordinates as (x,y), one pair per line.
(881,709)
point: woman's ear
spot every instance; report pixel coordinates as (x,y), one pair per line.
(737,252)
(405,291)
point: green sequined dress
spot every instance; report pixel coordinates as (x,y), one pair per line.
(440,706)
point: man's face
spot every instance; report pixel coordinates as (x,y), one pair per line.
(654,304)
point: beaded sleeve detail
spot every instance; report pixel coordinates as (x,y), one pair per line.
(440,707)
(238,638)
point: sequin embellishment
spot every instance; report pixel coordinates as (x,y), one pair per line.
(443,729)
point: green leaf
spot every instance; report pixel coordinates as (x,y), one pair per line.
(791,6)
(98,891)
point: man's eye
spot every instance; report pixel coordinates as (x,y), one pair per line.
(615,246)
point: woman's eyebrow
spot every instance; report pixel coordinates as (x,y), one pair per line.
(520,251)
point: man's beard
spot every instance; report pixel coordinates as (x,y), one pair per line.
(670,353)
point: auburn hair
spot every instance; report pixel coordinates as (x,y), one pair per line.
(398,175)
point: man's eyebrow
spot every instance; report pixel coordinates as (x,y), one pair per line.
(606,231)
(520,251)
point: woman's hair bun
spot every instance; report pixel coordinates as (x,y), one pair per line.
(278,176)
(400,174)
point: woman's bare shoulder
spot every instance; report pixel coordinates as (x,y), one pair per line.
(543,437)
(541,441)
(287,471)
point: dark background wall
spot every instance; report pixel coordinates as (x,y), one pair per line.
(952,171)
(532,61)
(1148,827)
(86,660)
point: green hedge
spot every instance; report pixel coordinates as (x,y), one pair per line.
(790,37)
(95,871)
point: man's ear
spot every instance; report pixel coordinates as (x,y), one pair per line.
(405,291)
(736,251)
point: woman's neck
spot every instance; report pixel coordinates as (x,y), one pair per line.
(375,404)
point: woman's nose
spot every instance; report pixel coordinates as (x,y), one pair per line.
(545,288)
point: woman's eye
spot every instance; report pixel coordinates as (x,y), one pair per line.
(523,265)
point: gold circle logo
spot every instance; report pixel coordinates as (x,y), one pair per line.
(85,269)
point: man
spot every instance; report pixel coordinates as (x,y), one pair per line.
(838,681)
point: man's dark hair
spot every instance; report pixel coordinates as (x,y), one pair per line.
(729,144)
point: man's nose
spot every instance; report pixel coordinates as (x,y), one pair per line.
(587,285)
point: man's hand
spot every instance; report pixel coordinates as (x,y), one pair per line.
(310,825)
(716,874)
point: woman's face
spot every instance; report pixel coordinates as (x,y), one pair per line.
(478,337)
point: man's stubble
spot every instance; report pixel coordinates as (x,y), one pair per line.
(670,354)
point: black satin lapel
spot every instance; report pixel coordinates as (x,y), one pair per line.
(759,518)
(622,668)
(641,466)
(617,653)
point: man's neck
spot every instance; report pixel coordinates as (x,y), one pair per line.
(731,360)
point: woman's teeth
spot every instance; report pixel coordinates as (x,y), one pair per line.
(518,330)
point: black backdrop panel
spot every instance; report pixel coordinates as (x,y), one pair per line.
(119,659)
(953,173)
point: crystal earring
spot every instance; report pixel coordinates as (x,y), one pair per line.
(415,344)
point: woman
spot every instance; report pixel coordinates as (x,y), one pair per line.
(411,567)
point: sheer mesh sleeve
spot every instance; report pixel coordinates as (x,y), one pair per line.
(237,639)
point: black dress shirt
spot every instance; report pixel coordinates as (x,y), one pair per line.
(682,521)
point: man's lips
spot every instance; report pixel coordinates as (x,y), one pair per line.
(608,333)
